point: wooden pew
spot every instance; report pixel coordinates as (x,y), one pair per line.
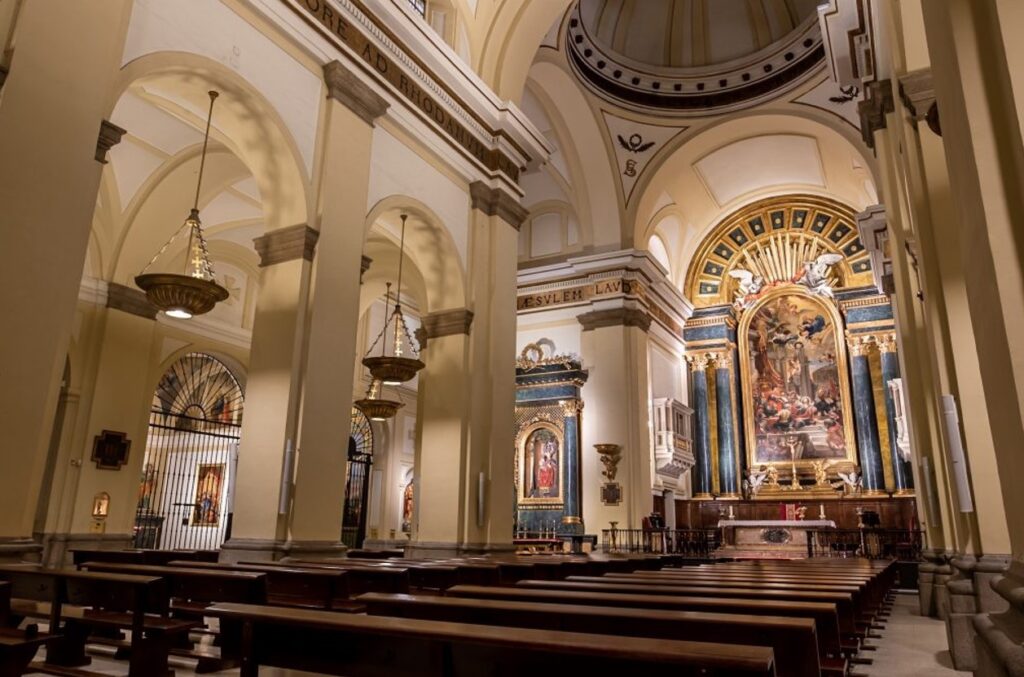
(75,603)
(365,646)
(17,647)
(842,601)
(792,639)
(364,576)
(824,615)
(294,586)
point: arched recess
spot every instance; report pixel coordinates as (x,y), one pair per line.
(742,160)
(245,122)
(188,472)
(428,244)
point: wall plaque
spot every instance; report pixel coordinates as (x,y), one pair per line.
(110,450)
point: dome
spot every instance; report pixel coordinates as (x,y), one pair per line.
(693,55)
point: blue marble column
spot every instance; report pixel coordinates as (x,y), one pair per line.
(702,428)
(728,472)
(868,446)
(572,516)
(903,479)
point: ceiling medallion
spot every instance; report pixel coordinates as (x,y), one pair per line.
(194,292)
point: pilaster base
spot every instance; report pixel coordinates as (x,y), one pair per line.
(13,550)
(1000,640)
(57,547)
(269,550)
(425,549)
(962,607)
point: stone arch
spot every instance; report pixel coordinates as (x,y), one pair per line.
(247,124)
(428,245)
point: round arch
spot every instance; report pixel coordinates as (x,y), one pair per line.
(430,247)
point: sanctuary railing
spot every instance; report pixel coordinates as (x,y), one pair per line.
(694,543)
(900,544)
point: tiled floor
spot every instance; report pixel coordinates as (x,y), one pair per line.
(911,645)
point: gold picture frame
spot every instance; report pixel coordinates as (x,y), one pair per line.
(527,464)
(830,311)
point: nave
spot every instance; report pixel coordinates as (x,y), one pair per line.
(374,613)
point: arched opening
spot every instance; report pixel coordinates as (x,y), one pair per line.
(188,473)
(357,480)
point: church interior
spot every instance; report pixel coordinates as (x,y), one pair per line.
(476,337)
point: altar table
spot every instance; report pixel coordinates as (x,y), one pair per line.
(785,536)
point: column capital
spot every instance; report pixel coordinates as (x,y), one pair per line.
(859,344)
(886,342)
(723,359)
(444,323)
(918,94)
(700,361)
(878,102)
(110,136)
(571,407)
(286,244)
(129,300)
(346,88)
(496,202)
(364,266)
(614,317)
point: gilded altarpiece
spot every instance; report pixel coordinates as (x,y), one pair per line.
(547,439)
(783,287)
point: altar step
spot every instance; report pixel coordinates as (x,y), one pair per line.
(733,552)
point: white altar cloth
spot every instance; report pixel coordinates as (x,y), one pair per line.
(792,524)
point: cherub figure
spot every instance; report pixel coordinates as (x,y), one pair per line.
(815,274)
(748,288)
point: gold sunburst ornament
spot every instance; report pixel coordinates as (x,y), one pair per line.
(194,292)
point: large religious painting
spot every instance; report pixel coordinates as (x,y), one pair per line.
(540,464)
(209,486)
(793,362)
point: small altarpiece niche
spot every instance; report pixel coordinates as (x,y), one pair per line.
(547,442)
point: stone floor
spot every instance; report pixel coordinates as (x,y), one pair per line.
(911,645)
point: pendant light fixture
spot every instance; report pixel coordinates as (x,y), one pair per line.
(375,407)
(194,292)
(395,369)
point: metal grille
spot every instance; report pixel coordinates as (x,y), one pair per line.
(357,481)
(188,474)
(419,6)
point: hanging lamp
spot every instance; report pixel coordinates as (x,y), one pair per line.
(394,369)
(194,292)
(375,407)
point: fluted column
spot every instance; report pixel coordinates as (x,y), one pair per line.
(903,480)
(572,517)
(869,449)
(728,461)
(702,427)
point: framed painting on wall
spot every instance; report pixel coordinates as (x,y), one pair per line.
(209,489)
(541,462)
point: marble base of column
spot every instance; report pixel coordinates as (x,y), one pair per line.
(1000,636)
(904,492)
(933,558)
(427,550)
(14,550)
(571,525)
(943,574)
(874,493)
(731,496)
(703,496)
(57,547)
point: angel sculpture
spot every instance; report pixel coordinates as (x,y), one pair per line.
(849,481)
(755,478)
(749,287)
(815,274)
(821,473)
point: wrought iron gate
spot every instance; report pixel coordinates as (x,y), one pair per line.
(357,481)
(188,475)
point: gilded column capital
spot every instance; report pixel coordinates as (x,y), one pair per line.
(722,359)
(346,88)
(699,362)
(886,342)
(571,407)
(859,344)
